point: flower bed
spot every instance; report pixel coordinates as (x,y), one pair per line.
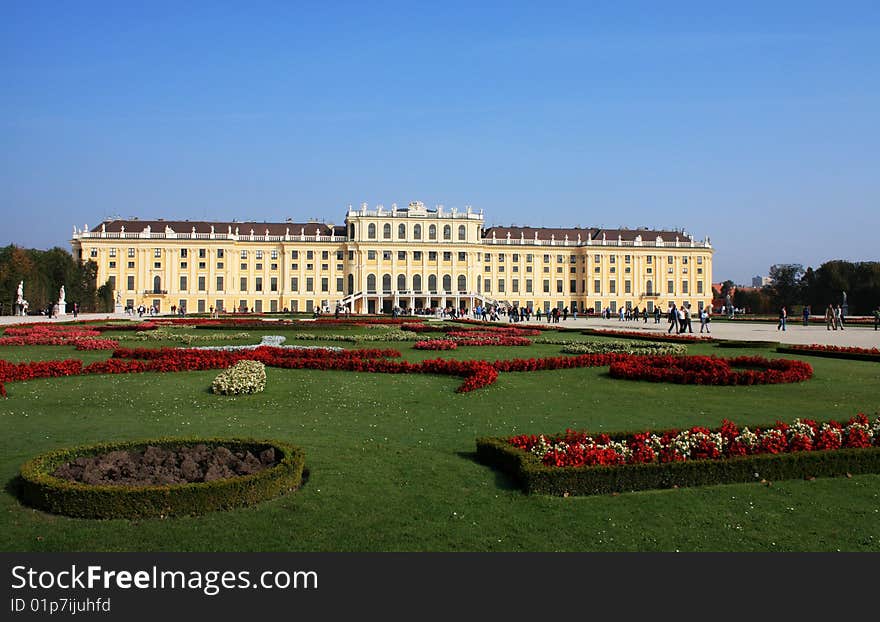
(244,377)
(650,336)
(625,347)
(711,370)
(42,490)
(163,334)
(83,338)
(858,354)
(435,344)
(578,463)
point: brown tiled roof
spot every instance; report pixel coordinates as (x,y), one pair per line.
(544,233)
(647,234)
(201,226)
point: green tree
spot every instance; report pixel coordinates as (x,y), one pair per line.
(785,286)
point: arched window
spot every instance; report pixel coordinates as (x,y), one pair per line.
(401,231)
(432,281)
(462,283)
(417,282)
(417,232)
(386,283)
(386,232)
(401,282)
(351,231)
(462,232)
(371,231)
(350,283)
(447,283)
(432,232)
(157,284)
(371,283)
(650,288)
(447,232)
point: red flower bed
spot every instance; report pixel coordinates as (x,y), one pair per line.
(12,372)
(560,362)
(435,344)
(96,344)
(711,370)
(56,335)
(842,349)
(698,443)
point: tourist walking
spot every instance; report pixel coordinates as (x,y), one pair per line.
(673,319)
(682,320)
(806,315)
(838,317)
(782,315)
(829,318)
(657,315)
(705,318)
(876,317)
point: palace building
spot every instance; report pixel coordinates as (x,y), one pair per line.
(411,257)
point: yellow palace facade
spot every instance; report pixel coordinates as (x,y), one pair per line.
(412,258)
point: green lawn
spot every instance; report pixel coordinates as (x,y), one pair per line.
(391,458)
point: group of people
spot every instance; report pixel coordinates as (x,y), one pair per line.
(834,317)
(680,319)
(143,310)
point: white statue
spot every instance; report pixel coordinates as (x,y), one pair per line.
(20,302)
(119,298)
(20,297)
(61,301)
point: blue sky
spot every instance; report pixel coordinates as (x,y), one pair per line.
(755,124)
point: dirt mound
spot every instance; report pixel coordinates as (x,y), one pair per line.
(159,466)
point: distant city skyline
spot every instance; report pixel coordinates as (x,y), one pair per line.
(754,124)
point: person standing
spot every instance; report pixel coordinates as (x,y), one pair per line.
(782,315)
(876,317)
(829,318)
(673,319)
(838,317)
(806,315)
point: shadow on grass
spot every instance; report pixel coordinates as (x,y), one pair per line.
(13,487)
(502,480)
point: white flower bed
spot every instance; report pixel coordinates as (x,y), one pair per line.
(163,334)
(242,378)
(652,348)
(273,341)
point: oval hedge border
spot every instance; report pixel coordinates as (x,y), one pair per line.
(41,490)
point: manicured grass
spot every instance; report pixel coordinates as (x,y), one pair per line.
(391,458)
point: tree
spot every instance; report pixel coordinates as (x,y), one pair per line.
(785,284)
(726,288)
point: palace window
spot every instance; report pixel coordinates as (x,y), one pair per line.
(386,231)
(401,231)
(219,253)
(242,284)
(131,252)
(371,255)
(203,253)
(401,255)
(417,232)
(528,286)
(294,254)
(386,255)
(447,232)
(447,256)
(309,255)
(546,286)
(113,253)
(183,283)
(201,283)
(462,256)
(432,255)
(294,284)
(371,231)
(157,252)
(259,254)
(417,255)
(572,286)
(462,232)
(258,284)
(432,232)
(243,254)
(612,287)
(219,283)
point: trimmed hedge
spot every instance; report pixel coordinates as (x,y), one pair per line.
(536,478)
(41,490)
(853,356)
(732,343)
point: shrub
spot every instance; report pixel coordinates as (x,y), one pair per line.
(243,377)
(40,489)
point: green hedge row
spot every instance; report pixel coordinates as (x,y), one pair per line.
(536,478)
(853,356)
(732,343)
(41,490)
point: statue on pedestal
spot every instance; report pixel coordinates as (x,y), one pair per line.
(19,300)
(62,303)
